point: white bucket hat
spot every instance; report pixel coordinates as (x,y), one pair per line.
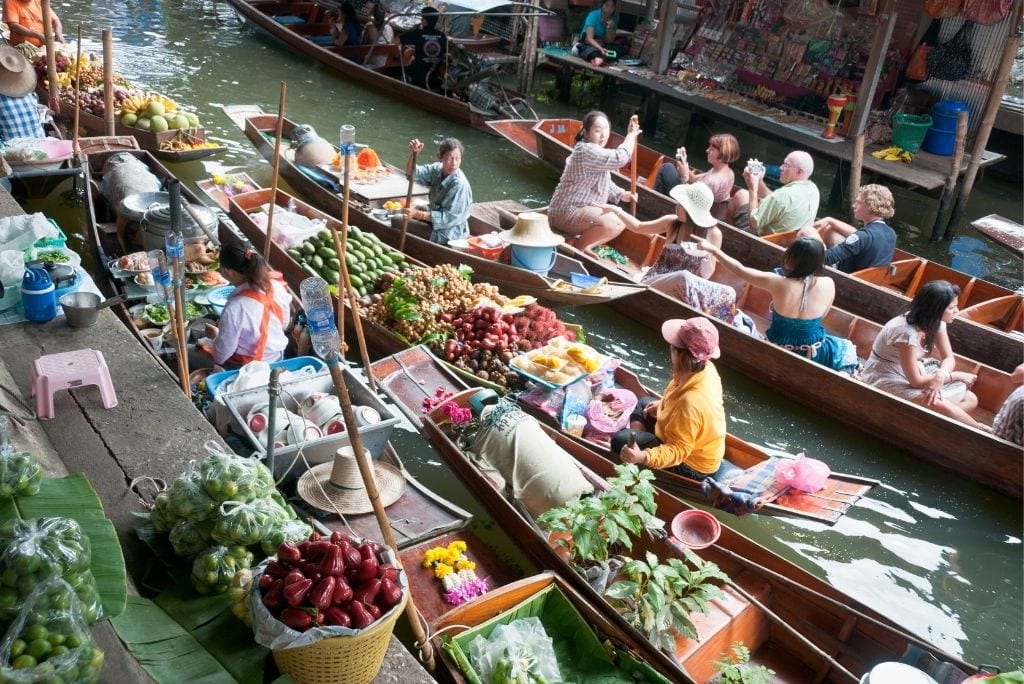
(17,77)
(531,230)
(696,199)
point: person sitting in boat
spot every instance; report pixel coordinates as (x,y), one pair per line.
(1009,421)
(912,358)
(850,249)
(759,210)
(723,149)
(252,326)
(378,32)
(598,35)
(578,203)
(19,105)
(451,198)
(24,18)
(431,48)
(685,429)
(345,27)
(801,297)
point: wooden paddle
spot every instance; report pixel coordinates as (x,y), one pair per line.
(411,171)
(275,173)
(632,171)
(78,94)
(108,82)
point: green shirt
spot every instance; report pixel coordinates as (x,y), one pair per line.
(792,206)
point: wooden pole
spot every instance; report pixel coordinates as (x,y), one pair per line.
(347,150)
(528,58)
(873,70)
(411,169)
(108,81)
(857,164)
(52,87)
(366,471)
(177,265)
(276,166)
(632,175)
(78,94)
(988,118)
(949,189)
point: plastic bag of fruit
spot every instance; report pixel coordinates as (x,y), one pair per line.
(213,569)
(187,496)
(20,474)
(49,640)
(284,531)
(190,536)
(32,551)
(244,524)
(228,477)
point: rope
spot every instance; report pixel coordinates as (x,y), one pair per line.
(157,484)
(20,420)
(426,631)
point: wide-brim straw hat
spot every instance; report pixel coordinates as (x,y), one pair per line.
(697,200)
(17,77)
(347,495)
(531,230)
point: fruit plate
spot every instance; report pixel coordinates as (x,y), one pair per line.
(548,383)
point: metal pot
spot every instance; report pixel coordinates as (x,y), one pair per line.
(156,224)
(81,309)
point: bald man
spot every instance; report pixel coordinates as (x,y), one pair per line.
(759,210)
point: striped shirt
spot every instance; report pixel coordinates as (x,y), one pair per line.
(19,117)
(587,179)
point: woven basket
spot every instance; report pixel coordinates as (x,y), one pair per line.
(344,659)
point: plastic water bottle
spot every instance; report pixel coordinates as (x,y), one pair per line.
(174,247)
(323,332)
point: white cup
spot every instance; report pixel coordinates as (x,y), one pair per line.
(155,336)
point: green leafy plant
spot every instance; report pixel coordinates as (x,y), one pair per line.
(657,598)
(597,524)
(735,667)
(585,90)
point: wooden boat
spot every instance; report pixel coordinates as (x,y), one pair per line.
(150,140)
(219,192)
(514,280)
(1009,234)
(982,334)
(299,25)
(840,493)
(791,599)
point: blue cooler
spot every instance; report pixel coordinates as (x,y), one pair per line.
(941,137)
(37,295)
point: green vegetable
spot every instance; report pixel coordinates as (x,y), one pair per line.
(55,257)
(158,313)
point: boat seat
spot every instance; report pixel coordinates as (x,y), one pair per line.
(54,372)
(898,275)
(358,53)
(1001,312)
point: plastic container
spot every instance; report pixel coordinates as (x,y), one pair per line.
(536,259)
(482,249)
(908,130)
(941,137)
(37,295)
(60,241)
(215,380)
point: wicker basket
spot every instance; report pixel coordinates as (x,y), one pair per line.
(344,659)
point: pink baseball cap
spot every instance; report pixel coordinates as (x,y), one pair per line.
(697,335)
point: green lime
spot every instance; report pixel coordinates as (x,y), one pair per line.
(72,641)
(17,647)
(56,639)
(58,650)
(23,662)
(36,632)
(39,648)
(8,599)
(9,578)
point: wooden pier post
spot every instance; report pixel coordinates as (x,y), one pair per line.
(959,143)
(528,58)
(52,87)
(108,82)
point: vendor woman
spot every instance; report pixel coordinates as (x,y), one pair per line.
(252,327)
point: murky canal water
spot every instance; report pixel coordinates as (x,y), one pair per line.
(940,556)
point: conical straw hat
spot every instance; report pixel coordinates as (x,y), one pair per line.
(347,494)
(531,230)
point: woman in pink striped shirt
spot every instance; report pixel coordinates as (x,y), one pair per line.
(586,184)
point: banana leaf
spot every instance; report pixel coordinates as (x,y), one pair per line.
(73,497)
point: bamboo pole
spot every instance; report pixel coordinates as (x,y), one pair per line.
(411,171)
(949,189)
(366,471)
(988,117)
(108,81)
(78,94)
(52,87)
(528,58)
(632,171)
(856,165)
(276,166)
(347,148)
(177,259)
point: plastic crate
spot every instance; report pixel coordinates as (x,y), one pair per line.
(60,241)
(215,380)
(320,450)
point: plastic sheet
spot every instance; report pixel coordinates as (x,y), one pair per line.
(520,651)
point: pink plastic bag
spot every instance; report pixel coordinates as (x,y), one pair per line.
(609,411)
(805,474)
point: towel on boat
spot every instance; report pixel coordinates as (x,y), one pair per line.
(745,491)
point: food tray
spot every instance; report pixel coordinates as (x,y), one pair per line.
(547,383)
(60,241)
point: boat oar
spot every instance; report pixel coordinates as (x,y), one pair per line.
(276,166)
(632,176)
(366,472)
(411,171)
(52,86)
(108,82)
(78,94)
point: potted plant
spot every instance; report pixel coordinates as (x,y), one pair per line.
(657,598)
(735,668)
(594,528)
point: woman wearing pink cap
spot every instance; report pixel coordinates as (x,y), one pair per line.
(685,429)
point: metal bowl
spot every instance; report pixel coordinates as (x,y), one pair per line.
(134,207)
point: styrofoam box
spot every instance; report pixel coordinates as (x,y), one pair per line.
(315,450)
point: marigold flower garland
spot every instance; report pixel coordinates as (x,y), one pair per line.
(456,572)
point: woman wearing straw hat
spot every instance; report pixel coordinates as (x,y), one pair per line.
(19,106)
(685,429)
(577,206)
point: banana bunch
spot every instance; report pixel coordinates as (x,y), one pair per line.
(138,104)
(894,153)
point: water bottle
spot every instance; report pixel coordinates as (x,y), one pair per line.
(323,332)
(174,247)
(161,274)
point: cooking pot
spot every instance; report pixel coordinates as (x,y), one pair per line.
(81,309)
(156,224)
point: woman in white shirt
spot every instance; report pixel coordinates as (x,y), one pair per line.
(252,326)
(378,32)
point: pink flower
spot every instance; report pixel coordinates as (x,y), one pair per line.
(456,414)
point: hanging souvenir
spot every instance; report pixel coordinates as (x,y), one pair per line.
(986,12)
(951,61)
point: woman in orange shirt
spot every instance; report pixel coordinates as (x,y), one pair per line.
(25,19)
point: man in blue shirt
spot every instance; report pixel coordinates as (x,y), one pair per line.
(597,35)
(451,198)
(19,106)
(850,249)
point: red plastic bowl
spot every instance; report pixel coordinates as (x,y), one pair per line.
(696,529)
(477,246)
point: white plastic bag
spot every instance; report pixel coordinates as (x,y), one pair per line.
(19,232)
(518,651)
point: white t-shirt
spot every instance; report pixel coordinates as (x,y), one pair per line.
(239,328)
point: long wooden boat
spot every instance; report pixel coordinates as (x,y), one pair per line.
(300,24)
(515,280)
(1008,233)
(854,637)
(984,334)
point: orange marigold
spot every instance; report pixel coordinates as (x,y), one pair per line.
(367,158)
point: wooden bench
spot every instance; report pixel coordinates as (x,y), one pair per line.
(359,53)
(1001,312)
(899,275)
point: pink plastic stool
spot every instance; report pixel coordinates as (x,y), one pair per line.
(55,372)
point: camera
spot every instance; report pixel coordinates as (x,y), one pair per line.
(755,168)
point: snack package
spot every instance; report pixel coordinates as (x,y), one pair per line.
(214,568)
(49,640)
(32,551)
(20,474)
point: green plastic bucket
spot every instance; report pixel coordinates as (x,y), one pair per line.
(908,130)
